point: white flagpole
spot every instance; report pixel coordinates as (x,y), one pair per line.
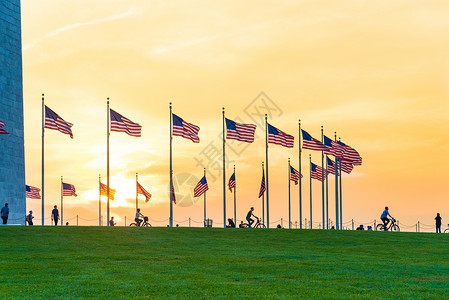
(322,178)
(337,223)
(289,205)
(172,189)
(62,197)
(235,198)
(137,197)
(266,160)
(205,213)
(107,157)
(224,170)
(310,164)
(42,164)
(300,175)
(99,199)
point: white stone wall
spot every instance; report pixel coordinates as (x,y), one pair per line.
(12,159)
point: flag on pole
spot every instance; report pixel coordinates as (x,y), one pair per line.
(32,192)
(240,132)
(347,167)
(231,183)
(294,175)
(54,121)
(278,137)
(331,166)
(3,131)
(142,191)
(308,142)
(172,192)
(68,190)
(121,124)
(262,185)
(201,187)
(350,155)
(104,191)
(184,129)
(335,149)
(317,172)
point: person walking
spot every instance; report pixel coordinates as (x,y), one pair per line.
(111,222)
(5,213)
(30,218)
(438,223)
(55,215)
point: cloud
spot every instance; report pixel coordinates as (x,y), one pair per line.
(130,12)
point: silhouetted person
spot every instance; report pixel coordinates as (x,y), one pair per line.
(30,218)
(111,222)
(138,217)
(438,223)
(231,223)
(55,215)
(5,213)
(248,217)
(279,226)
(384,217)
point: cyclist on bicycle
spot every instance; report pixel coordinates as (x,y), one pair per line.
(249,215)
(384,217)
(139,217)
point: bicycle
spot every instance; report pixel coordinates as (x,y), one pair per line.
(391,226)
(144,223)
(446,230)
(257,224)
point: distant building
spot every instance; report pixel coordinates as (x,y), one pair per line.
(12,158)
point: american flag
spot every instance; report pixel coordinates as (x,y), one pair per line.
(54,121)
(334,148)
(316,172)
(172,193)
(201,187)
(3,131)
(32,192)
(294,175)
(331,166)
(121,124)
(231,183)
(278,137)
(262,185)
(184,129)
(350,155)
(240,132)
(68,189)
(142,191)
(104,191)
(308,142)
(347,167)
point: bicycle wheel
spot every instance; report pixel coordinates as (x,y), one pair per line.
(395,228)
(261,225)
(146,225)
(379,227)
(446,230)
(132,225)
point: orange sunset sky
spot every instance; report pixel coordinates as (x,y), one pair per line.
(376,72)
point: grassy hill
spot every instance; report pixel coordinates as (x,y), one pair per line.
(120,262)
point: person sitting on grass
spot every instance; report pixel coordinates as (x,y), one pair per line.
(139,217)
(384,217)
(241,224)
(231,224)
(248,217)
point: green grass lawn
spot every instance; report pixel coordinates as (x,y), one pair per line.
(200,263)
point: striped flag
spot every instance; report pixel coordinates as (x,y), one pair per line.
(294,175)
(231,183)
(184,129)
(142,191)
(262,185)
(335,149)
(347,167)
(317,172)
(68,189)
(121,124)
(104,191)
(331,166)
(350,155)
(278,137)
(3,131)
(240,132)
(308,142)
(54,121)
(32,192)
(201,187)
